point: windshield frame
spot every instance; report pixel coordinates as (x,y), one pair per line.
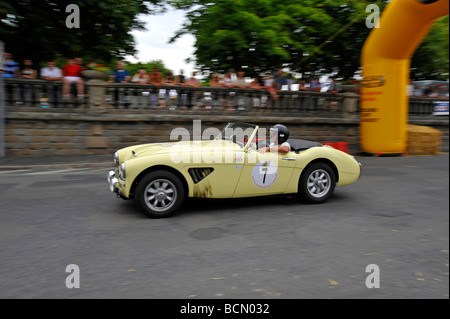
(243,129)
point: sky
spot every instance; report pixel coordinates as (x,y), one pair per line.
(152,44)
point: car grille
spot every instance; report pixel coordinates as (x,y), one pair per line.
(198,174)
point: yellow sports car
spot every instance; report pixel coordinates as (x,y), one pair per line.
(239,162)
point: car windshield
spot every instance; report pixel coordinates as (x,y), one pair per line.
(237,133)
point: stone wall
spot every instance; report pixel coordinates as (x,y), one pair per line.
(50,134)
(63,133)
(109,119)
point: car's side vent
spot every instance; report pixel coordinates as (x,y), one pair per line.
(198,174)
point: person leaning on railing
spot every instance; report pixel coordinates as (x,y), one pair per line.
(9,67)
(26,72)
(241,83)
(119,75)
(52,73)
(141,77)
(192,96)
(180,81)
(72,74)
(335,88)
(315,85)
(170,94)
(155,78)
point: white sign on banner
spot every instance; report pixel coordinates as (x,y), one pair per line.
(440,108)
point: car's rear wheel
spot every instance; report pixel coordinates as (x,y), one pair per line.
(317,183)
(159,194)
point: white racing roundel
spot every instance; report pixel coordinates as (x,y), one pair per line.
(264,174)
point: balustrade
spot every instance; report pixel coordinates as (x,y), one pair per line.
(132,96)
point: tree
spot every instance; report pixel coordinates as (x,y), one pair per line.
(37,29)
(308,36)
(269,34)
(134,67)
(430,61)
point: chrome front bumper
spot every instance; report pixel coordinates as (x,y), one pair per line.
(113,181)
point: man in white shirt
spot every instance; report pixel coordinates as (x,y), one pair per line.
(192,95)
(279,135)
(51,72)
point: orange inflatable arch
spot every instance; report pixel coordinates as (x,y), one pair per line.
(386,59)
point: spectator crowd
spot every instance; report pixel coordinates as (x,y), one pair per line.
(71,74)
(423,89)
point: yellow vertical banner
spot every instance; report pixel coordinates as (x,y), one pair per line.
(385,60)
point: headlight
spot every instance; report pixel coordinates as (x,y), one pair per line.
(111,175)
(116,158)
(122,175)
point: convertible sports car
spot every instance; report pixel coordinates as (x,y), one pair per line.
(160,176)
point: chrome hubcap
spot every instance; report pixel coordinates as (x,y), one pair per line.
(319,183)
(160,195)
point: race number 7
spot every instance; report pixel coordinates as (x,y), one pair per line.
(265,170)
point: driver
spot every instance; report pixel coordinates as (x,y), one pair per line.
(279,135)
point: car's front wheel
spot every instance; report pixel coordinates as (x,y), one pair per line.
(159,194)
(317,183)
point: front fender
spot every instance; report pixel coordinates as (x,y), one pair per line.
(136,166)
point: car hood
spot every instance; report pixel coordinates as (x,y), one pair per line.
(188,146)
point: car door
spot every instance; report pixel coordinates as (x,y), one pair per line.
(217,173)
(265,174)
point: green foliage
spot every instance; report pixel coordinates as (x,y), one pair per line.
(308,36)
(430,61)
(134,67)
(37,29)
(269,34)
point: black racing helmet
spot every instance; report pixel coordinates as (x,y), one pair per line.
(282,131)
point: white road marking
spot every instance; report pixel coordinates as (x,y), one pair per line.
(67,170)
(53,172)
(14,171)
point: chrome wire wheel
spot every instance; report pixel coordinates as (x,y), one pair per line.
(319,183)
(160,195)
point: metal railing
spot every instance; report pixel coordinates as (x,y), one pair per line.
(135,96)
(132,96)
(423,106)
(40,93)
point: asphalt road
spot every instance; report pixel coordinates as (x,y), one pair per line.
(396,217)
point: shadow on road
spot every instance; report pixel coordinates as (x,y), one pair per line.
(217,206)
